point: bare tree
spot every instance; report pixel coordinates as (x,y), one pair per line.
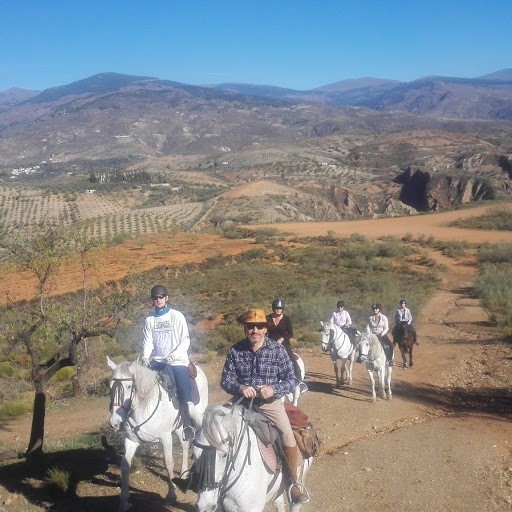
(51,328)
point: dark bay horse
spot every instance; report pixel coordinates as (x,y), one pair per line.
(404,337)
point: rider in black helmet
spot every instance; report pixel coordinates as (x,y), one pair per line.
(378,324)
(166,341)
(280,330)
(403,316)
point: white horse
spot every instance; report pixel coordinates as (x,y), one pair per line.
(237,478)
(337,342)
(141,407)
(301,386)
(373,355)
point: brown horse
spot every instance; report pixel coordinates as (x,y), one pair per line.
(403,335)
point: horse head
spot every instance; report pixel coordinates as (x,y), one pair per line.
(121,392)
(214,455)
(365,346)
(326,332)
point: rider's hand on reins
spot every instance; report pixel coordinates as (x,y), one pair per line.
(266,392)
(249,392)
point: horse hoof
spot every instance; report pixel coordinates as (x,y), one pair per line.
(171,498)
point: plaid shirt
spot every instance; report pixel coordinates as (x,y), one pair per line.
(268,366)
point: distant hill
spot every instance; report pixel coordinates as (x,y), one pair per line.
(118,118)
(359,83)
(504,74)
(15,96)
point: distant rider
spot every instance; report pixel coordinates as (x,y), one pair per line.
(341,318)
(403,316)
(280,329)
(378,324)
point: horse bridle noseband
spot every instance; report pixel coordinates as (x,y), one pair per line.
(232,455)
(332,339)
(117,392)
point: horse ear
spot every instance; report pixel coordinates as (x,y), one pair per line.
(321,323)
(111,363)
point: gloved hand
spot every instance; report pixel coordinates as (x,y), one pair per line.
(170,358)
(146,362)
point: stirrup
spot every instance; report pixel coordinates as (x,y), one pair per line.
(184,481)
(303,387)
(188,433)
(302,488)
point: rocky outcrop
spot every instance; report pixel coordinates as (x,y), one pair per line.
(428,192)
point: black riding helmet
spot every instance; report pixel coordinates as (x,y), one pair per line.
(376,306)
(340,303)
(159,289)
(278,304)
(403,301)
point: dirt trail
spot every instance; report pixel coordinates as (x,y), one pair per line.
(442,443)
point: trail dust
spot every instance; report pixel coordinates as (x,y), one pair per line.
(442,443)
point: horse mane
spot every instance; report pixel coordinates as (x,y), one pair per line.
(144,381)
(218,422)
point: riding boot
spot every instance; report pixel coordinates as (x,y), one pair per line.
(297,492)
(188,430)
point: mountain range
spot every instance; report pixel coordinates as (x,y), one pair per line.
(344,150)
(113,116)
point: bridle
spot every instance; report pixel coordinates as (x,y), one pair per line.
(117,395)
(232,454)
(117,400)
(332,339)
(369,352)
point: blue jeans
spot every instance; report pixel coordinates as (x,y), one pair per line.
(180,375)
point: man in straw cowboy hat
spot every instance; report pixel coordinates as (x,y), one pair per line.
(259,368)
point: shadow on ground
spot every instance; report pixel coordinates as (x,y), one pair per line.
(92,467)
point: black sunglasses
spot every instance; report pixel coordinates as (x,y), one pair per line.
(161,296)
(256,326)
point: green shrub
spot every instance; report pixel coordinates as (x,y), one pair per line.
(494,287)
(497,219)
(64,374)
(495,253)
(311,338)
(6,370)
(222,337)
(14,409)
(455,249)
(58,479)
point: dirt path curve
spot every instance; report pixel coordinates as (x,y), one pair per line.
(444,441)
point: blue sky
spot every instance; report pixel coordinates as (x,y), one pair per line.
(300,44)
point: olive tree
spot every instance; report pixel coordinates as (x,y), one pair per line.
(49,328)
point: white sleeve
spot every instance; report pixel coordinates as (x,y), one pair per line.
(183,341)
(386,325)
(147,338)
(349,320)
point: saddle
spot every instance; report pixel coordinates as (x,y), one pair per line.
(305,434)
(168,383)
(386,348)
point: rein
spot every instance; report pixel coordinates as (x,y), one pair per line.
(370,352)
(118,392)
(332,339)
(234,450)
